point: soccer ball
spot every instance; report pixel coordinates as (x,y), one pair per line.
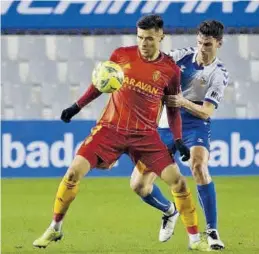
(108,77)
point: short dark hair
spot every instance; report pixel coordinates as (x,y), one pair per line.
(212,28)
(150,21)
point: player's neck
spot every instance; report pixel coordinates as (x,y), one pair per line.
(152,58)
(201,62)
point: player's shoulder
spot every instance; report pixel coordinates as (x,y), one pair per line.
(219,68)
(178,54)
(124,54)
(167,59)
(219,72)
(126,50)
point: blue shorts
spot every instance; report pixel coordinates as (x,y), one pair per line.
(196,132)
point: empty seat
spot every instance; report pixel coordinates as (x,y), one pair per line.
(243,47)
(24,72)
(32,111)
(105,45)
(4,48)
(49,93)
(70,48)
(253,42)
(12,43)
(15,93)
(51,47)
(32,47)
(45,71)
(10,72)
(89,46)
(245,93)
(9,47)
(36,72)
(63,47)
(80,71)
(225,110)
(254,70)
(62,72)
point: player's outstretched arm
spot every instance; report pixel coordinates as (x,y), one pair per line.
(204,111)
(90,94)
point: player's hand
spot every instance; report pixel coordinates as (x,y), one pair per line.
(182,148)
(68,113)
(175,101)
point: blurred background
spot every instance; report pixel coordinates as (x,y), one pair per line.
(48,51)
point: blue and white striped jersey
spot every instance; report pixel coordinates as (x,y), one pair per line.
(198,83)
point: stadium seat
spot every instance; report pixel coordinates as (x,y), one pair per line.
(10,72)
(24,72)
(9,48)
(32,47)
(225,110)
(243,47)
(4,48)
(45,71)
(105,46)
(70,48)
(80,71)
(253,46)
(62,72)
(254,70)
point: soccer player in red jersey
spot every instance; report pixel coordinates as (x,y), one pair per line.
(129,125)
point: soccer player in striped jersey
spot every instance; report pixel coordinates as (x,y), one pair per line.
(203,81)
(129,125)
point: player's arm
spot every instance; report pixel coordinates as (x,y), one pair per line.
(90,94)
(204,111)
(213,96)
(174,117)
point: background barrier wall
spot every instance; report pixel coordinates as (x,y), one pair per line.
(46,148)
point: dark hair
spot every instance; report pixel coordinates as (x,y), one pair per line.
(212,28)
(150,21)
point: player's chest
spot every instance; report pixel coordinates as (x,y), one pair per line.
(145,78)
(193,75)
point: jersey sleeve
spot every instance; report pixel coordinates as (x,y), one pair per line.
(178,54)
(173,114)
(218,83)
(116,55)
(174,86)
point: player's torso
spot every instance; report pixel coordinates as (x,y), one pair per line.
(195,80)
(137,105)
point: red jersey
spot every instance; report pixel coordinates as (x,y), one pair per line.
(137,106)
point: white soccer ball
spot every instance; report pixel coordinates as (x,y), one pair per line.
(108,77)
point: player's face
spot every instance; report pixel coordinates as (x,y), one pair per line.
(149,42)
(207,48)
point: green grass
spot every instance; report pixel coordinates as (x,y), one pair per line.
(107,217)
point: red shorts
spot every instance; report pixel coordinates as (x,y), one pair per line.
(103,147)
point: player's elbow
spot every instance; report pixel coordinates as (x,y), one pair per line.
(205,115)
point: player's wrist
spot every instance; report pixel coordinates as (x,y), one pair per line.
(184,102)
(178,141)
(76,108)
